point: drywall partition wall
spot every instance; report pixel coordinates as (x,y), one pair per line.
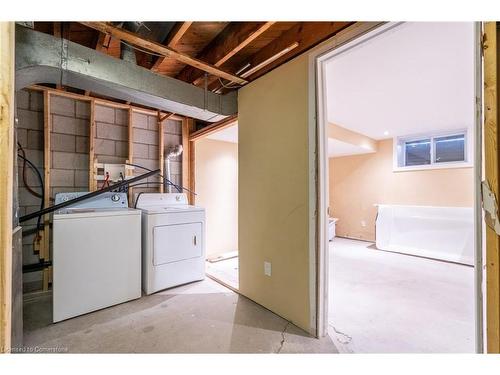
(273,197)
(217,191)
(358,182)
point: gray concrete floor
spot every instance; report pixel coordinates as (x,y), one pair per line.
(383,302)
(202,317)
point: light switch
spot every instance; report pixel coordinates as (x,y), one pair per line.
(267,268)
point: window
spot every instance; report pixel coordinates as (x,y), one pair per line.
(418,152)
(431,150)
(450,149)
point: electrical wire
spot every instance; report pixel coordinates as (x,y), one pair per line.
(24,174)
(178,187)
(228,86)
(42,202)
(106,181)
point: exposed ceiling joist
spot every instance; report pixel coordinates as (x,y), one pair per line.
(230,41)
(306,34)
(173,38)
(153,46)
(102,41)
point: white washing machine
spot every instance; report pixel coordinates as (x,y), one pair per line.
(173,241)
(96,254)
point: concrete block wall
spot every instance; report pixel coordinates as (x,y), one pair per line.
(69,158)
(69,143)
(70,152)
(111,137)
(172,131)
(29,131)
(145,149)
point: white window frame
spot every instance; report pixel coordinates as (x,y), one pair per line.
(399,151)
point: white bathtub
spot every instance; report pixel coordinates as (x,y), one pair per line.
(445,233)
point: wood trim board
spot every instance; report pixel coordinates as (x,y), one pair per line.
(491,63)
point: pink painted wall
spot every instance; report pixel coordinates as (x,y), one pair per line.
(358,182)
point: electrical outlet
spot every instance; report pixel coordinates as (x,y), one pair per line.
(363,223)
(267,268)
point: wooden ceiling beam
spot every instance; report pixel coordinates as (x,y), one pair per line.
(102,41)
(235,37)
(173,38)
(306,34)
(296,40)
(158,48)
(56,29)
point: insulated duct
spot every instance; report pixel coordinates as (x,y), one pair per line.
(127,52)
(43,58)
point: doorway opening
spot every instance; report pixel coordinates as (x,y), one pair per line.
(216,176)
(401,235)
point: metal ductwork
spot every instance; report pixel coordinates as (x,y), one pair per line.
(127,52)
(156,31)
(43,58)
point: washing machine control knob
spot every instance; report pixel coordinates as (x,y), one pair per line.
(115,197)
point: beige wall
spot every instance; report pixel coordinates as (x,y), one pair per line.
(217,188)
(358,182)
(274,191)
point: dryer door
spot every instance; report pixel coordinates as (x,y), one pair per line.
(173,243)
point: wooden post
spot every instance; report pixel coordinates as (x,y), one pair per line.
(47,129)
(92,177)
(188,157)
(6,166)
(185,153)
(130,147)
(192,179)
(161,149)
(491,173)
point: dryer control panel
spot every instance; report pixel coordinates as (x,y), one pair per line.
(162,199)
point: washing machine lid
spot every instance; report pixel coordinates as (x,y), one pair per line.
(82,212)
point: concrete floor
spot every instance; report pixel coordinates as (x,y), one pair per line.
(386,302)
(202,317)
(225,271)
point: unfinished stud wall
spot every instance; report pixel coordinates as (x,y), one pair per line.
(172,131)
(69,143)
(145,149)
(111,137)
(30,136)
(69,152)
(69,159)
